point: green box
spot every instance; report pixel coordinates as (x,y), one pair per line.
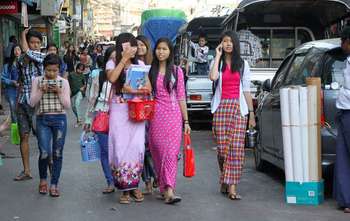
(305,193)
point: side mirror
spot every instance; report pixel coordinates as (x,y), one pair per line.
(267,85)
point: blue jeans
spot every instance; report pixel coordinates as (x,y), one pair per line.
(11,96)
(103,142)
(51,134)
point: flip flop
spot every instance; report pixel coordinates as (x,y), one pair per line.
(172,200)
(137,195)
(43,189)
(22,177)
(54,192)
(124,199)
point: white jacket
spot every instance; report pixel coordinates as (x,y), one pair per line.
(244,86)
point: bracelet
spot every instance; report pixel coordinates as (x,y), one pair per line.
(185,121)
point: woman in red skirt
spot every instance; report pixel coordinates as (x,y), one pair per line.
(231,104)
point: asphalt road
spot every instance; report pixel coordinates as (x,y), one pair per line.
(81,198)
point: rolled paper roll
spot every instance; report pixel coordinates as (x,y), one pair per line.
(286,134)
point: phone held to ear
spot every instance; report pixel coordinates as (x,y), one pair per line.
(126,45)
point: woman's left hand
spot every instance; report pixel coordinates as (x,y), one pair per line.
(252,122)
(187,128)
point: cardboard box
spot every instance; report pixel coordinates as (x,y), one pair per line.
(307,193)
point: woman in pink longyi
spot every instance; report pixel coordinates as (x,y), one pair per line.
(165,130)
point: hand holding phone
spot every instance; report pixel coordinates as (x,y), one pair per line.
(219,50)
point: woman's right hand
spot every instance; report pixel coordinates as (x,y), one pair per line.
(219,50)
(129,53)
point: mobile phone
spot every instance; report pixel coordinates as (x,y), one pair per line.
(126,45)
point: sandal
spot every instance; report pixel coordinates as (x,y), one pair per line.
(22,177)
(108,190)
(43,189)
(137,195)
(234,196)
(124,199)
(172,200)
(54,192)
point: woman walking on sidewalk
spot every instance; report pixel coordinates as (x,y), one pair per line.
(126,138)
(231,104)
(51,93)
(170,115)
(98,95)
(9,78)
(144,53)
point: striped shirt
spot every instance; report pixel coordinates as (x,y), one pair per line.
(29,70)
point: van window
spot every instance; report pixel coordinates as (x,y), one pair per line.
(278,43)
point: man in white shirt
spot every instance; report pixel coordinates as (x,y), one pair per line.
(342,167)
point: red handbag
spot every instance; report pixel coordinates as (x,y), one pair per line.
(189,158)
(101,122)
(141,110)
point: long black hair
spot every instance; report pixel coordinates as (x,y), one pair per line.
(13,57)
(123,38)
(170,71)
(236,60)
(102,77)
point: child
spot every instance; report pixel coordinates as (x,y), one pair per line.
(51,93)
(201,55)
(77,86)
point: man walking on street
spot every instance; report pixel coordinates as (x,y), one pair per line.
(31,65)
(342,164)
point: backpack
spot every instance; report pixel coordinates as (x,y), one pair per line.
(241,73)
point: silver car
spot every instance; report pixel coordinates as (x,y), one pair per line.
(323,59)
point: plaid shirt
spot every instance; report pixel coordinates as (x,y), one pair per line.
(28,72)
(50,102)
(250,47)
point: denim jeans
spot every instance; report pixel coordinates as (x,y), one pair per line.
(11,96)
(103,142)
(51,134)
(75,100)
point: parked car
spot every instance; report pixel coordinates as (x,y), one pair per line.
(324,59)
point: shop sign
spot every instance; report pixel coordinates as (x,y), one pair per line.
(8,7)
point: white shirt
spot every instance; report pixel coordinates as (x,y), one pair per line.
(343,101)
(244,86)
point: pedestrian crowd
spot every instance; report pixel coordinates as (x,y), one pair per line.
(46,85)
